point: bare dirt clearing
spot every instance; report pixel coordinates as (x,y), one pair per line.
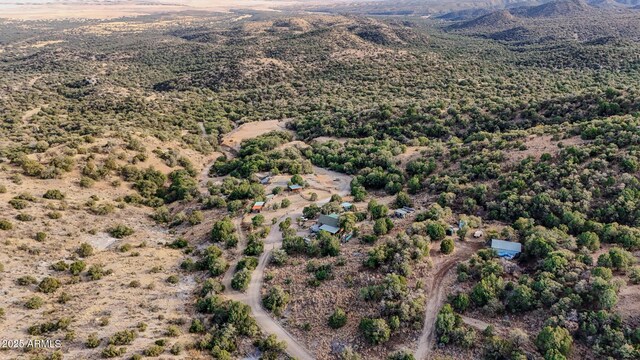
(537,145)
(251,130)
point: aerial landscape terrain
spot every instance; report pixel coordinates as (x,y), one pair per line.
(301,179)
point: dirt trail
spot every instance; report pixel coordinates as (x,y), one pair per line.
(253,296)
(203,131)
(437,293)
(29,114)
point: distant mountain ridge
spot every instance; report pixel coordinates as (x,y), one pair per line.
(500,18)
(554,9)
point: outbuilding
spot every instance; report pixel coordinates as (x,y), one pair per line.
(295,188)
(257,207)
(506,249)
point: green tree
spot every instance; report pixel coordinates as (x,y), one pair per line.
(257,220)
(276,300)
(338,319)
(380,227)
(554,338)
(590,240)
(403,199)
(447,246)
(375,331)
(436,231)
(446,323)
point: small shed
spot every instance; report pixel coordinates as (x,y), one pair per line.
(506,249)
(265,180)
(400,213)
(346,206)
(331,220)
(295,188)
(257,207)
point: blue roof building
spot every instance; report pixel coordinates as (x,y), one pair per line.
(506,249)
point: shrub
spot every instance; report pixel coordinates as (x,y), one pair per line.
(401,355)
(86,182)
(49,327)
(142,327)
(248,262)
(18,204)
(590,240)
(447,246)
(60,266)
(97,271)
(222,230)
(53,195)
(173,331)
(257,220)
(554,339)
(41,236)
(436,231)
(270,346)
(255,247)
(173,279)
(64,298)
(153,351)
(179,243)
(241,280)
(49,285)
(521,299)
(403,199)
(602,272)
(279,257)
(634,274)
(176,349)
(54,215)
(92,341)
(460,302)
(35,302)
(276,300)
(338,319)
(111,351)
(85,250)
(446,323)
(26,280)
(25,217)
(124,337)
(197,327)
(375,331)
(120,231)
(380,227)
(5,224)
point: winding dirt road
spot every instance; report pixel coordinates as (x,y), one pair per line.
(437,293)
(253,296)
(341,184)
